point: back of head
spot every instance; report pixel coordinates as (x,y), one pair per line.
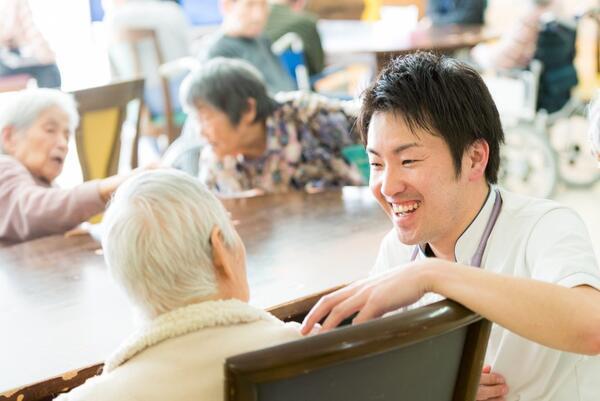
(21,109)
(440,95)
(227,84)
(157,240)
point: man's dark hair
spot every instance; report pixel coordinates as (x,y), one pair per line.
(442,96)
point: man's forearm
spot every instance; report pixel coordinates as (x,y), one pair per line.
(555,316)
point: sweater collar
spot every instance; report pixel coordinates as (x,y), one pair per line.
(183,321)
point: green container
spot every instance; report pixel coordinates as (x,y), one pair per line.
(357,155)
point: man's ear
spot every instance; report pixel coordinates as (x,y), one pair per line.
(249,114)
(7,139)
(477,159)
(220,255)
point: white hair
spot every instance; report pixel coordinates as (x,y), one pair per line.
(594,124)
(156,239)
(21,109)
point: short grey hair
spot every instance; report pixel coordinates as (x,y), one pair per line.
(594,124)
(227,84)
(156,240)
(21,109)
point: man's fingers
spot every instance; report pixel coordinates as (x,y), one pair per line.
(343,310)
(489,379)
(491,392)
(323,307)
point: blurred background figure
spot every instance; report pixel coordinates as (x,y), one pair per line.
(517,46)
(448,12)
(296,141)
(594,127)
(191,295)
(35,125)
(241,36)
(288,16)
(23,48)
(143,35)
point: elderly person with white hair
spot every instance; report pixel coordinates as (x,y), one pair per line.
(191,293)
(35,126)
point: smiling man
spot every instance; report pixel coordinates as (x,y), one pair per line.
(433,136)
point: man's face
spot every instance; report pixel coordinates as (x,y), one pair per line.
(246,18)
(42,148)
(414,180)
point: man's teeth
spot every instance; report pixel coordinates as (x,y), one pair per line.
(405,208)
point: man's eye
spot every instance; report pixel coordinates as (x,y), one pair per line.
(408,162)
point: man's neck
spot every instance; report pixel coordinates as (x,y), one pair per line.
(445,249)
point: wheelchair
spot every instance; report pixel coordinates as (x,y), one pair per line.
(545,127)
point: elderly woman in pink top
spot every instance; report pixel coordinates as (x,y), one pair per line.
(34,129)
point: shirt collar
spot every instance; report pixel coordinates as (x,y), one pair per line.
(467,243)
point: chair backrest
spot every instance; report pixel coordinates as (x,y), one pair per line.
(137,41)
(98,137)
(431,353)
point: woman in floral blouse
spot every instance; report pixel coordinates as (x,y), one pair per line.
(296,141)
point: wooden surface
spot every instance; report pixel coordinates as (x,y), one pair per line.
(385,39)
(60,312)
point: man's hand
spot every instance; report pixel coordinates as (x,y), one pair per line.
(492,386)
(371,297)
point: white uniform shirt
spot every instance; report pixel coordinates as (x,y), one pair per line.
(537,239)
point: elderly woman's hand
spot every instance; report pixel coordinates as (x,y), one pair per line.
(110,184)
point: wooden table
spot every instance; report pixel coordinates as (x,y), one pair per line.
(386,40)
(59,310)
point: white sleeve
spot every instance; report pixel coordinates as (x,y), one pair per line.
(392,253)
(559,251)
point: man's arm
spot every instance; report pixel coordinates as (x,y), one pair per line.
(555,316)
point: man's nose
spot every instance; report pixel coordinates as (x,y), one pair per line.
(392,182)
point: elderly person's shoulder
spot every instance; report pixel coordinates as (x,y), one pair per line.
(311,104)
(11,167)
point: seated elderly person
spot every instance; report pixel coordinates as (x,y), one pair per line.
(241,36)
(35,125)
(191,293)
(257,142)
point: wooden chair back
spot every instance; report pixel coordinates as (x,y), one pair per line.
(102,111)
(134,40)
(385,359)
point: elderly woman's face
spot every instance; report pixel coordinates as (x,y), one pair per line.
(217,129)
(42,148)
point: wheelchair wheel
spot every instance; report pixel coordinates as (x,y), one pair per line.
(527,162)
(576,165)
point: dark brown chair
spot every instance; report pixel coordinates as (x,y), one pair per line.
(98,137)
(431,353)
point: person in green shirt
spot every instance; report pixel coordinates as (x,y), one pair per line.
(288,16)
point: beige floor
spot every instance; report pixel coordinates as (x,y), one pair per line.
(587,203)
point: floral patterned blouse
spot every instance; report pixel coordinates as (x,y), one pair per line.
(305,138)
